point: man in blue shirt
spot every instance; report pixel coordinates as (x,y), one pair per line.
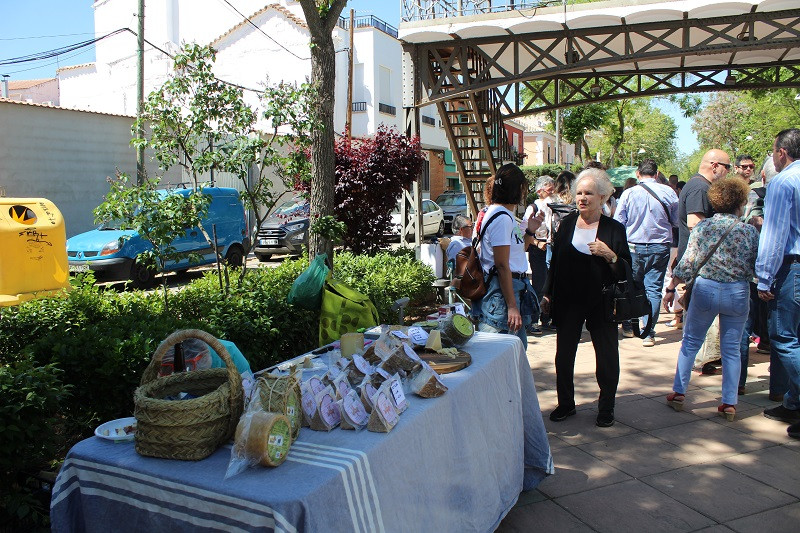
(778,270)
(649,211)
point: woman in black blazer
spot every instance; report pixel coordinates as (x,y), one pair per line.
(587,253)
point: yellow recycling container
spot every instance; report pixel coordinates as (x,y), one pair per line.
(33,250)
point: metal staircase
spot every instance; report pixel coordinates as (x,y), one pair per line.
(473,123)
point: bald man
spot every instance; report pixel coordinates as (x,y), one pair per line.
(694,206)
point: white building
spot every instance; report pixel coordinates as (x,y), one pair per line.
(275,47)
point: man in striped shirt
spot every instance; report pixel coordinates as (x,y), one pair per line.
(778,270)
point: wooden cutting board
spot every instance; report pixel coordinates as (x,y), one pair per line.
(443,364)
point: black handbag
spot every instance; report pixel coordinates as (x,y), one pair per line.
(627,300)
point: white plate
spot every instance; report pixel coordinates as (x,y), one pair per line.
(112,426)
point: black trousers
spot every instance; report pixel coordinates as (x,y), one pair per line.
(606,349)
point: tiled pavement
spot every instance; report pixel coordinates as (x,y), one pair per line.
(657,469)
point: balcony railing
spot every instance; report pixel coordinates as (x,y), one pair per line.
(430,121)
(359,107)
(439,9)
(368,21)
(388,109)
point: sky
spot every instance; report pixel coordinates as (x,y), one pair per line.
(33,26)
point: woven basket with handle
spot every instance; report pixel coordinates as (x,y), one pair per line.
(189,429)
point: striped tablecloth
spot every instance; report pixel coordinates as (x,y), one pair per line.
(453,463)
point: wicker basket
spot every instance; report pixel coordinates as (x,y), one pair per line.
(187,429)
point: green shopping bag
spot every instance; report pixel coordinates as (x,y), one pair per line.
(344,310)
(306,290)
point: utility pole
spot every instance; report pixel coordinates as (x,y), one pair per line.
(350,59)
(140,94)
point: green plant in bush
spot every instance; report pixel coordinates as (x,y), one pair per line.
(384,278)
(32,398)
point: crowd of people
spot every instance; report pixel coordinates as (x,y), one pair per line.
(722,248)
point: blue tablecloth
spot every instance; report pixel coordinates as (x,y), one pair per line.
(453,463)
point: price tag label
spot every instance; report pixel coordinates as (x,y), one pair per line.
(316,385)
(309,405)
(361,364)
(459,309)
(399,334)
(418,335)
(410,352)
(397,393)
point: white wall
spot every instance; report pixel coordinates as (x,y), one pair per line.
(65,156)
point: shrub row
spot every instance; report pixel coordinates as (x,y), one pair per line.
(82,355)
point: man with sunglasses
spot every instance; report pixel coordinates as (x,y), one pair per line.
(745,167)
(693,205)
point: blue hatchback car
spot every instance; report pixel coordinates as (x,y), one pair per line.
(102,250)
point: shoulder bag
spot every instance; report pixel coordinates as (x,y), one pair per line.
(627,300)
(468,266)
(687,294)
(654,195)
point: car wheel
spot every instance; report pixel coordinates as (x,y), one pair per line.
(235,256)
(263,257)
(440,233)
(142,277)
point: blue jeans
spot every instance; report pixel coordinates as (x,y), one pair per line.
(784,328)
(731,301)
(494,311)
(649,263)
(778,381)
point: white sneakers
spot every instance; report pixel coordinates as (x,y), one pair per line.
(649,341)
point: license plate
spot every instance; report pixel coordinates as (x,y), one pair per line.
(268,242)
(79,268)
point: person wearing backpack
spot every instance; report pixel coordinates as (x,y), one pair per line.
(510,303)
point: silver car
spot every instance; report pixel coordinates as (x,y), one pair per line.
(452,204)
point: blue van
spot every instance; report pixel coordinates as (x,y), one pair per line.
(102,250)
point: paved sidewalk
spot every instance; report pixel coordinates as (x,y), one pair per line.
(657,469)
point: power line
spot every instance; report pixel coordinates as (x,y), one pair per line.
(44,36)
(55,52)
(264,33)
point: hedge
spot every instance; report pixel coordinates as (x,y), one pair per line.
(89,347)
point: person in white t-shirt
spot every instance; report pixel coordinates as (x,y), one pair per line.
(510,302)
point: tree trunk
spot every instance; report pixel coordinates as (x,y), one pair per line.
(323,79)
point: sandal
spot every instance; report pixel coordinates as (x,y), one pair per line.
(728,411)
(675,400)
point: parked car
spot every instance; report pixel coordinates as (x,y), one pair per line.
(453,204)
(285,231)
(432,220)
(111,256)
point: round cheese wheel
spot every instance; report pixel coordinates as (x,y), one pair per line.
(268,438)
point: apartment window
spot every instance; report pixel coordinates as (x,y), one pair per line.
(515,140)
(385,95)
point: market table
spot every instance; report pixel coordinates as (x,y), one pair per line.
(453,463)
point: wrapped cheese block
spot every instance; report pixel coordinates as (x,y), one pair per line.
(341,385)
(351,343)
(368,391)
(281,394)
(397,395)
(327,414)
(402,358)
(427,383)
(384,417)
(309,405)
(358,369)
(354,415)
(263,438)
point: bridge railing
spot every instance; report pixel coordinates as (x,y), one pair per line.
(439,9)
